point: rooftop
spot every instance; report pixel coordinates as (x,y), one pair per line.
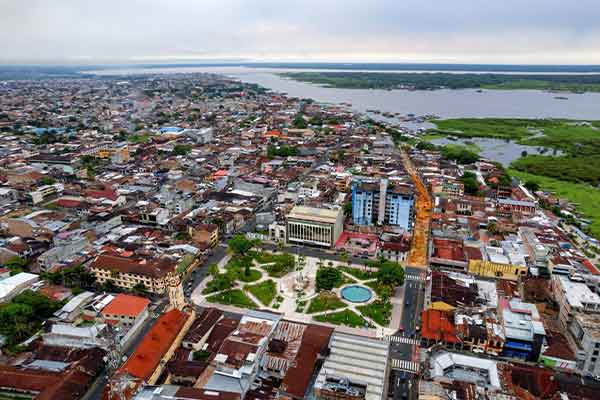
(315,214)
(126,304)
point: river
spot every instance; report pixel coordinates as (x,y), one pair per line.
(445,103)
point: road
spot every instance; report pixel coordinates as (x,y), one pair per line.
(97,389)
(404,347)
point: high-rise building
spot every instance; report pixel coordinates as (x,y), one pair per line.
(383,203)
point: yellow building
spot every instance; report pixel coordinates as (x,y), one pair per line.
(490,269)
(126,272)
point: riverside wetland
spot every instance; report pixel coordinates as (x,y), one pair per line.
(574,175)
(444,80)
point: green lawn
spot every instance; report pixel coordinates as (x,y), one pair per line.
(584,196)
(359,274)
(325,301)
(344,317)
(233,297)
(253,276)
(378,311)
(265,291)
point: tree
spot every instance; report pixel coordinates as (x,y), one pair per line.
(469,180)
(348,208)
(16,265)
(532,186)
(182,149)
(328,278)
(140,289)
(47,181)
(390,273)
(109,286)
(213,270)
(299,122)
(240,245)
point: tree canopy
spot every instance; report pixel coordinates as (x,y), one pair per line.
(328,278)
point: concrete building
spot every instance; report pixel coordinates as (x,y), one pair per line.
(523,329)
(126,273)
(12,286)
(67,335)
(74,308)
(126,309)
(586,332)
(311,226)
(45,192)
(382,203)
(356,368)
(573,298)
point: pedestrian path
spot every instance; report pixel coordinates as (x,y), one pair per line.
(404,365)
(420,278)
(400,339)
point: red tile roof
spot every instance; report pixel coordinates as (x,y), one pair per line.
(127,305)
(155,344)
(153,268)
(297,379)
(439,326)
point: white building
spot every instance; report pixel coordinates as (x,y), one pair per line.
(12,286)
(314,226)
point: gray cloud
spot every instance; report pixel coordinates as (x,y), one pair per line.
(495,31)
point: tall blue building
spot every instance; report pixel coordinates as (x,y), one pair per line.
(377,202)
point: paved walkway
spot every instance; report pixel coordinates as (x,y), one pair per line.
(286,289)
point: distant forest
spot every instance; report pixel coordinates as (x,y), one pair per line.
(440,80)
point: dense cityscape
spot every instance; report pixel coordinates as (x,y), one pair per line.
(191,236)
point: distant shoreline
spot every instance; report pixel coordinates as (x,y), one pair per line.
(448,80)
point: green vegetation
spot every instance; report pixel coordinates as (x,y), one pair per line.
(277,264)
(584,169)
(16,265)
(460,154)
(220,282)
(250,275)
(299,122)
(23,316)
(265,291)
(75,277)
(328,278)
(201,355)
(325,301)
(569,136)
(439,80)
(361,274)
(240,245)
(233,297)
(390,273)
(182,149)
(344,317)
(469,180)
(281,151)
(378,311)
(584,196)
(141,138)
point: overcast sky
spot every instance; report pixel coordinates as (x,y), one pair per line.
(460,31)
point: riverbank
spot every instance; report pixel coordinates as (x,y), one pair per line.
(444,80)
(585,197)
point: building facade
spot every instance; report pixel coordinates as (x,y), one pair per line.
(311,226)
(379,202)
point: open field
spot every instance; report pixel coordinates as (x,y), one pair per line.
(586,197)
